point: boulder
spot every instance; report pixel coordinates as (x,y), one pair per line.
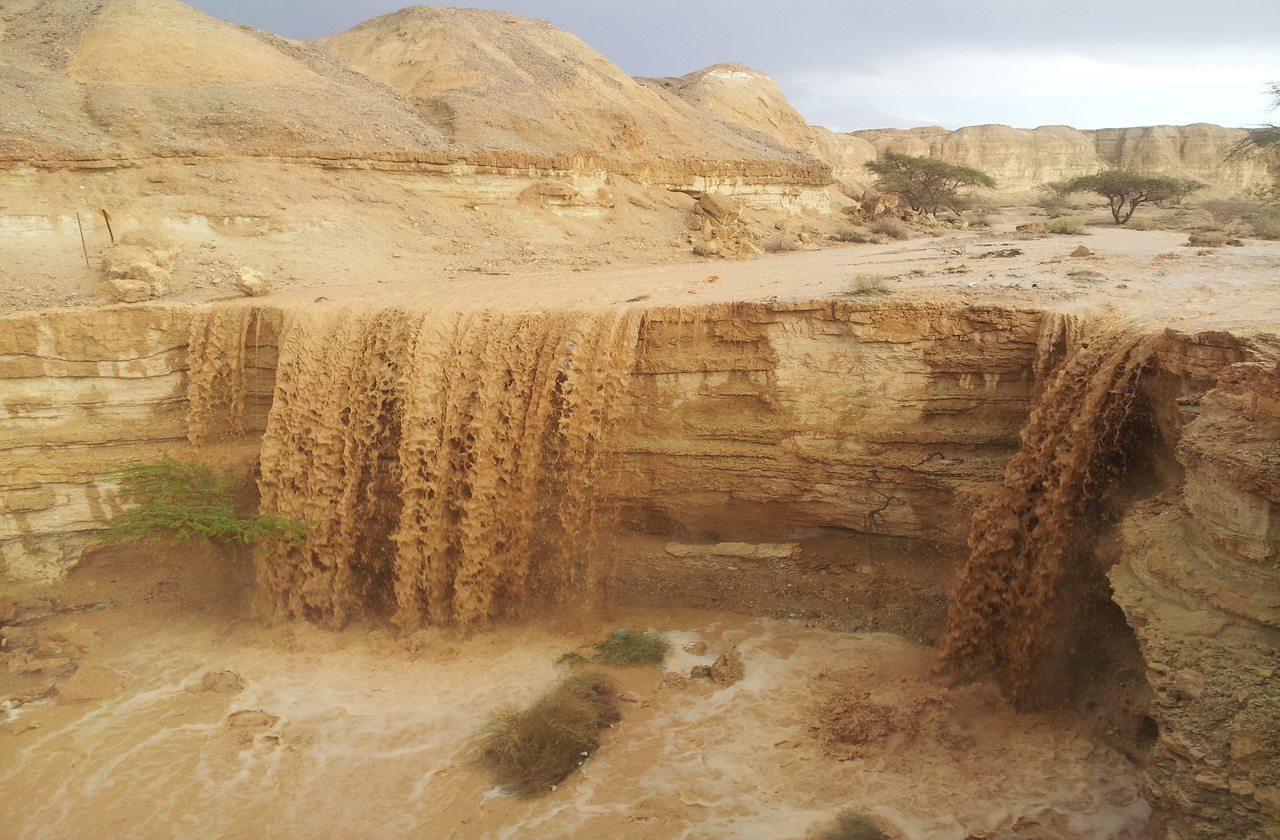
(718,208)
(253,283)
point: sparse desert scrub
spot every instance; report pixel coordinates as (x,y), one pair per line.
(1246,218)
(1144,224)
(530,751)
(780,242)
(867,284)
(859,236)
(852,825)
(1069,225)
(891,227)
(706,248)
(627,648)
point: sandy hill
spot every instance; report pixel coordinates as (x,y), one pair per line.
(501,85)
(130,78)
(752,104)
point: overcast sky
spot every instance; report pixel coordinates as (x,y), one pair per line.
(850,64)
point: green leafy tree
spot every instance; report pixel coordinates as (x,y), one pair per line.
(177,500)
(1125,190)
(926,184)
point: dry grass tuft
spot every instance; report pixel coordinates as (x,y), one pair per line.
(891,227)
(851,825)
(530,751)
(647,648)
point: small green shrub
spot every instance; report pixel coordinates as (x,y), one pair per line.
(891,227)
(531,751)
(851,825)
(868,284)
(1070,225)
(179,500)
(647,648)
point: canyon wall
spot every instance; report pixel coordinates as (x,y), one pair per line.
(82,390)
(1199,580)
(1024,159)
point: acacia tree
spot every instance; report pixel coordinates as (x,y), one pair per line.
(1262,138)
(926,184)
(1125,190)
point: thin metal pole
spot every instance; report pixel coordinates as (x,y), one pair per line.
(83,246)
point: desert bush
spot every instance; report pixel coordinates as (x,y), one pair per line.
(852,825)
(706,248)
(1054,205)
(780,242)
(1070,225)
(1266,224)
(858,235)
(867,284)
(530,751)
(1144,224)
(627,648)
(891,227)
(178,500)
(1246,218)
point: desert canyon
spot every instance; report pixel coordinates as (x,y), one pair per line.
(537,350)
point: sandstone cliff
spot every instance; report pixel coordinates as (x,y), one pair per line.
(1023,159)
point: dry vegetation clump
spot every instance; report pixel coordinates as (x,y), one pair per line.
(530,751)
(1069,225)
(891,227)
(867,284)
(1260,220)
(852,825)
(627,648)
(706,248)
(858,236)
(780,242)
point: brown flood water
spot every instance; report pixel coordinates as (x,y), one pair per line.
(367,736)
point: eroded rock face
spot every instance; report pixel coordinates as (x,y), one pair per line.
(83,389)
(1198,581)
(883,418)
(1024,159)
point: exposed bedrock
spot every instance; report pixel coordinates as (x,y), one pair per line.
(1199,582)
(1024,159)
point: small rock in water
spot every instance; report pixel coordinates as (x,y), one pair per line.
(222,682)
(728,669)
(696,648)
(91,682)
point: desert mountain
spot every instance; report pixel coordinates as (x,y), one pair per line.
(91,80)
(752,104)
(503,86)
